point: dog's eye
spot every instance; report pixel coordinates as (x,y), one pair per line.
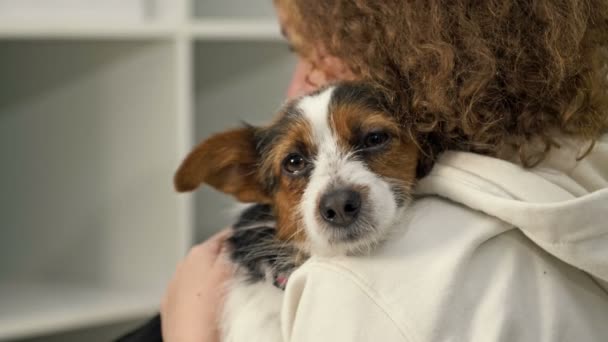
(375,139)
(295,163)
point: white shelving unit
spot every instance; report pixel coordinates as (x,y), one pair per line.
(95,116)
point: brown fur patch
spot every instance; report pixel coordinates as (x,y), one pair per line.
(227,162)
(286,203)
(295,138)
(396,162)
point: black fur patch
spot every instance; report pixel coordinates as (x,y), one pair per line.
(255,248)
(359,93)
(266,138)
(254,214)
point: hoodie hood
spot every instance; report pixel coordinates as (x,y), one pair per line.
(561,205)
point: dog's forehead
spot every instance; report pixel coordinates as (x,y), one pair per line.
(315,109)
(305,118)
(327,115)
(335,110)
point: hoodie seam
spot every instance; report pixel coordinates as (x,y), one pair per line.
(527,232)
(543,243)
(471,184)
(405,331)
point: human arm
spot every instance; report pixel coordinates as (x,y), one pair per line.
(194,297)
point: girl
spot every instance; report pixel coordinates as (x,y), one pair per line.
(507,99)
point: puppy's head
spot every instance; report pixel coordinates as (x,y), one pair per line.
(335,166)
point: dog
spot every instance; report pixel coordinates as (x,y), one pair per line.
(332,174)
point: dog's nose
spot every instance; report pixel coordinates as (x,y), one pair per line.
(340,207)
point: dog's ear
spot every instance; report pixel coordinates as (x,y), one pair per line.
(228,162)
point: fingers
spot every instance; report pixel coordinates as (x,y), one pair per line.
(218,239)
(204,256)
(192,302)
(206,253)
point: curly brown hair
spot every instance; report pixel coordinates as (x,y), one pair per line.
(486,76)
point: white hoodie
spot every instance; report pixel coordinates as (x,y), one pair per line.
(490,252)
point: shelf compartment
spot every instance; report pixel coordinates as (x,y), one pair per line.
(236,29)
(82,30)
(233,9)
(234,82)
(71,19)
(36,308)
(88,138)
(58,11)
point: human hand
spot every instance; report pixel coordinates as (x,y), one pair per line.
(192,304)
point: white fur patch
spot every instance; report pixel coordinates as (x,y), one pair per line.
(316,111)
(252,312)
(334,168)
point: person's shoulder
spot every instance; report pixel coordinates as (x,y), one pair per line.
(329,298)
(452,271)
(404,274)
(432,230)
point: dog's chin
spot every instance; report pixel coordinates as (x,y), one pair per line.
(351,240)
(359,238)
